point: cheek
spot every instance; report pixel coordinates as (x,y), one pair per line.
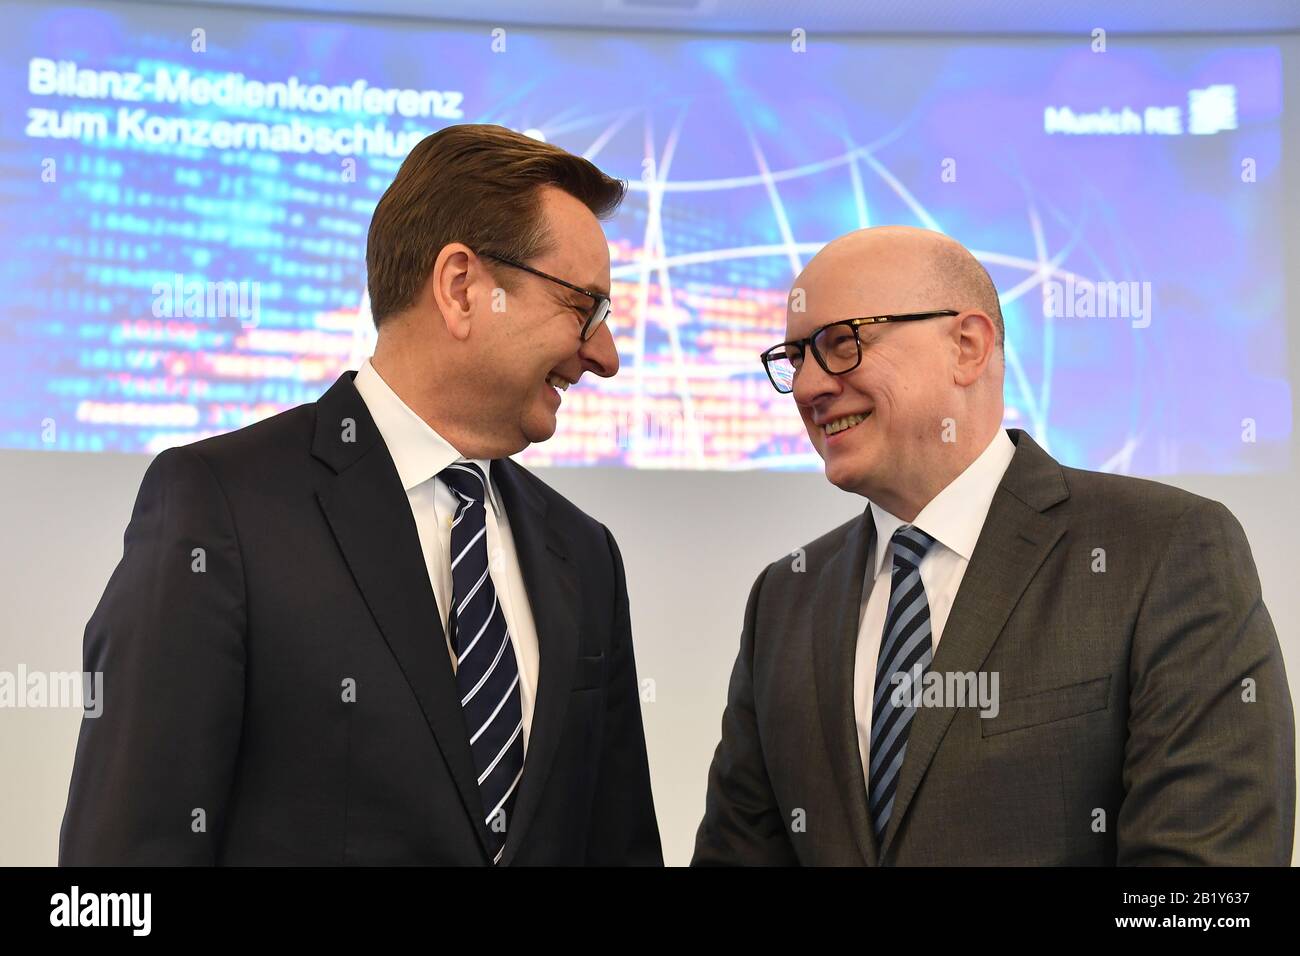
(555,339)
(895,391)
(868,385)
(530,351)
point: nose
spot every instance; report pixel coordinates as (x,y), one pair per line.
(598,353)
(813,384)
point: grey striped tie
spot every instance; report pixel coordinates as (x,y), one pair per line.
(905,648)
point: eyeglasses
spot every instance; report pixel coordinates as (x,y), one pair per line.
(835,346)
(601,305)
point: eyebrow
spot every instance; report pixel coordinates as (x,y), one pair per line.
(572,300)
(866,333)
(573,293)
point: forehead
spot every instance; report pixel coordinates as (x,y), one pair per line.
(814,302)
(838,287)
(579,251)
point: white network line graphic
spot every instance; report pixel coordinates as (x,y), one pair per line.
(651,271)
(653,259)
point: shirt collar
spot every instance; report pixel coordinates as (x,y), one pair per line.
(955,516)
(418,451)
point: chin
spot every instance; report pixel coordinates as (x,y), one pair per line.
(842,477)
(846,471)
(538,426)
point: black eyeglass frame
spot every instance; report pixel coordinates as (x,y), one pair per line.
(599,311)
(804,344)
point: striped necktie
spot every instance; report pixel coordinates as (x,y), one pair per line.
(487,674)
(905,648)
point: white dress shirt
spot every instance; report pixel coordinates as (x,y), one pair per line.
(420,453)
(954,518)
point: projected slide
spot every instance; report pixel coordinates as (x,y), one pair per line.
(186,196)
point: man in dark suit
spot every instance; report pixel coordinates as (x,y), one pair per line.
(1002,660)
(357,633)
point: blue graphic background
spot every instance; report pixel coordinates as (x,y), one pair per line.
(743,158)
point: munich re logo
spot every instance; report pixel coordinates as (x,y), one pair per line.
(102,909)
(1212,110)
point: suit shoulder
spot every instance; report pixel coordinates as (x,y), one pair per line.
(565,510)
(1149,511)
(814,553)
(1121,497)
(831,540)
(288,431)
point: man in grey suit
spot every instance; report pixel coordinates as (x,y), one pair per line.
(1002,660)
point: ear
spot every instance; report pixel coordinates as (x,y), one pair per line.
(975,337)
(454,286)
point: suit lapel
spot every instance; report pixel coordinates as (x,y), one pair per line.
(836,602)
(1016,538)
(368,512)
(554,595)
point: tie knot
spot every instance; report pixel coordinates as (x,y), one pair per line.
(910,546)
(466,480)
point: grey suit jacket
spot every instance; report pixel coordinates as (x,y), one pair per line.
(1144,711)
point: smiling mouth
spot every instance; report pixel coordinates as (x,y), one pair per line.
(558,381)
(844,424)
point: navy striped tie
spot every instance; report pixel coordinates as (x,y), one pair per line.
(487,675)
(905,648)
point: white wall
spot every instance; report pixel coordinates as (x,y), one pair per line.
(692,543)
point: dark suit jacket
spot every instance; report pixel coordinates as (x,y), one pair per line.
(1122,736)
(225,688)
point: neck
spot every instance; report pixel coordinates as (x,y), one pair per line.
(435,404)
(919,487)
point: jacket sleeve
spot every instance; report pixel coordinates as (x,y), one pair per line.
(1209,766)
(624,830)
(742,825)
(153,767)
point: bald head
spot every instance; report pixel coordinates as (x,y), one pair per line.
(957,275)
(899,413)
(918,269)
